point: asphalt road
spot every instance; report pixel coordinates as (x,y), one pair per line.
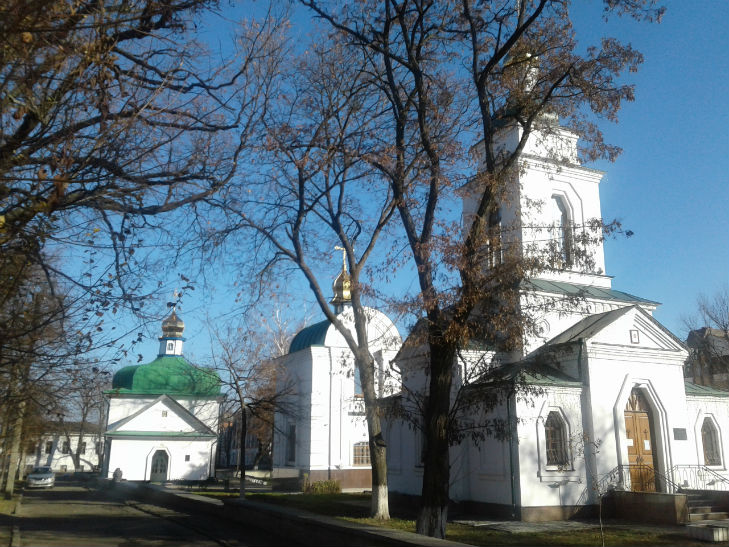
(75,513)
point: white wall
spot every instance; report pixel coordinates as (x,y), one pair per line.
(134,458)
(59,461)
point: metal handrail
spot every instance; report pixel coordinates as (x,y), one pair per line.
(695,477)
(619,478)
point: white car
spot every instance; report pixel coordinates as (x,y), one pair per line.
(41,477)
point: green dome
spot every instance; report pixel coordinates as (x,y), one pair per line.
(167,375)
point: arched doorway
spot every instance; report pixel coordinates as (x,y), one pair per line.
(640,440)
(159,466)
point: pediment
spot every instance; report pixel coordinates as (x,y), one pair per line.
(638,329)
(163,415)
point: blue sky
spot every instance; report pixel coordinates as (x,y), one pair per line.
(670,186)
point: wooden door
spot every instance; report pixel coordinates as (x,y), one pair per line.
(159,466)
(641,454)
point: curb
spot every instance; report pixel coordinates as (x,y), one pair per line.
(307,528)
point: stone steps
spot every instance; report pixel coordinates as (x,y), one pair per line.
(712,515)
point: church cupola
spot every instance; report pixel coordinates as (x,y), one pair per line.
(171,339)
(342,287)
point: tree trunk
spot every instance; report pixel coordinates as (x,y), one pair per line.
(15,449)
(379,508)
(242,452)
(433,513)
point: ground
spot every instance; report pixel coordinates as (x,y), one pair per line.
(82,514)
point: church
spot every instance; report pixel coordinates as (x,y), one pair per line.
(602,404)
(324,434)
(608,408)
(162,417)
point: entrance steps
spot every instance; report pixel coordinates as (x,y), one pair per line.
(707,505)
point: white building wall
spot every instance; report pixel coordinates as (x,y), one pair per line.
(134,458)
(717,410)
(59,461)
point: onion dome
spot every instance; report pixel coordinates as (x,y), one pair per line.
(342,286)
(172,326)
(167,375)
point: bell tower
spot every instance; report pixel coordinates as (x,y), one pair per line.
(551,210)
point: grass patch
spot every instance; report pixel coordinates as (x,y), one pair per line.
(8,506)
(355,508)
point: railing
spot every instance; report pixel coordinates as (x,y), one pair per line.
(631,478)
(699,477)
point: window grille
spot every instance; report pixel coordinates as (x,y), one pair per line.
(361,454)
(556,440)
(710,440)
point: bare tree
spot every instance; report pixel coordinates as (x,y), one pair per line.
(116,122)
(454,65)
(316,195)
(708,340)
(257,385)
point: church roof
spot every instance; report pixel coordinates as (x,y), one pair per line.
(529,372)
(313,335)
(588,326)
(168,374)
(696,390)
(586,291)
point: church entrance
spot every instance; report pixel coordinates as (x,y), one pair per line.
(159,466)
(639,433)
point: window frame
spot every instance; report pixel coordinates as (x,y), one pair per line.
(715,438)
(361,454)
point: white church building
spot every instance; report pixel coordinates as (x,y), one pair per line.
(609,409)
(324,433)
(163,416)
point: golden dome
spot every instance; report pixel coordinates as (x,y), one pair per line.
(172,326)
(341,287)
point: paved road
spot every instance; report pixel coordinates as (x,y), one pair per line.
(74,513)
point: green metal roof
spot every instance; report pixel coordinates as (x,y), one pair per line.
(313,335)
(185,434)
(704,391)
(530,373)
(168,375)
(586,291)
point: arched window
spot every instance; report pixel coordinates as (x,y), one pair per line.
(562,227)
(710,441)
(555,435)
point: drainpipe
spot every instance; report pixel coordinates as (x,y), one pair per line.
(511,455)
(329,451)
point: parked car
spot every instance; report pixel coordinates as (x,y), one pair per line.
(41,477)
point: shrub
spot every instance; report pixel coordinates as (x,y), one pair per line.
(320,487)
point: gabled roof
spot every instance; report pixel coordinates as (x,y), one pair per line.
(200,429)
(584,291)
(593,324)
(696,390)
(589,326)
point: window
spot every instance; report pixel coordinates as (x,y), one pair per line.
(291,445)
(361,454)
(49,447)
(82,448)
(187,457)
(710,440)
(562,231)
(66,448)
(164,413)
(357,384)
(494,253)
(556,440)
(170,346)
